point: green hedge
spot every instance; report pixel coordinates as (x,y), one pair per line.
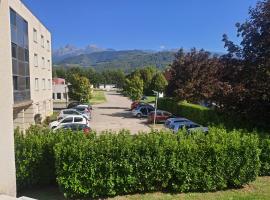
(34,157)
(265,156)
(194,112)
(113,164)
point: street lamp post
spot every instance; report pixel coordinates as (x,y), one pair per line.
(155,115)
(66,92)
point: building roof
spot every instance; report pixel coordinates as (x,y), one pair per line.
(59,81)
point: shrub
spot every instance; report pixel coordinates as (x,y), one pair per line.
(113,164)
(265,156)
(34,157)
(203,115)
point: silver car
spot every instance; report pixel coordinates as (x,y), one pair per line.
(142,111)
(66,112)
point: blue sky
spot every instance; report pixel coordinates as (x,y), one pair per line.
(141,24)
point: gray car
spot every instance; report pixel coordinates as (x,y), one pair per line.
(142,111)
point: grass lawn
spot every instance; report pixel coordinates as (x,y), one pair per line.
(258,190)
(150,99)
(98,97)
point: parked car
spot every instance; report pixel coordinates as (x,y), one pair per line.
(74,127)
(77,119)
(161,116)
(200,128)
(171,121)
(84,109)
(135,104)
(73,104)
(144,98)
(189,126)
(66,112)
(142,111)
(76,103)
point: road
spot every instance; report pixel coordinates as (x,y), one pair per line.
(115,115)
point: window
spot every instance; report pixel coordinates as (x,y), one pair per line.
(35,35)
(13,17)
(35,60)
(27,81)
(43,62)
(58,95)
(68,120)
(78,119)
(48,45)
(49,84)
(53,96)
(42,41)
(44,84)
(15,82)
(14,50)
(36,84)
(20,57)
(49,64)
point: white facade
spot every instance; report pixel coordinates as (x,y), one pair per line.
(7,158)
(60,90)
(40,69)
(20,70)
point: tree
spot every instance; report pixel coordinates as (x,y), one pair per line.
(251,61)
(159,82)
(79,89)
(134,88)
(194,76)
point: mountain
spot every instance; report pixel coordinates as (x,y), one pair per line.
(112,59)
(71,50)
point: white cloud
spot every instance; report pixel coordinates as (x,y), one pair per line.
(162,47)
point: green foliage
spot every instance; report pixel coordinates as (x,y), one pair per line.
(125,60)
(158,82)
(196,113)
(79,89)
(113,164)
(265,156)
(134,88)
(34,157)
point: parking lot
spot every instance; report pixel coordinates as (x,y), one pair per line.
(115,115)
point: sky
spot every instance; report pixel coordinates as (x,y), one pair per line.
(142,24)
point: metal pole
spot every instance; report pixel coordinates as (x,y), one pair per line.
(155,115)
(66,96)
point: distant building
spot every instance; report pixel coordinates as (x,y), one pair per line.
(60,89)
(107,87)
(25,83)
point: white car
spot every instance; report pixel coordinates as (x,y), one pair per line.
(76,119)
(66,112)
(84,109)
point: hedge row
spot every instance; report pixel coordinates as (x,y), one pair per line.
(114,164)
(193,112)
(265,156)
(35,160)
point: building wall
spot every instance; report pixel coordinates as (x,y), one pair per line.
(7,158)
(62,89)
(40,67)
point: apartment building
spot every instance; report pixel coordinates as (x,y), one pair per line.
(25,83)
(31,66)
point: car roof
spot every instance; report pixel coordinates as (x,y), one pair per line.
(73,116)
(178,118)
(69,109)
(185,122)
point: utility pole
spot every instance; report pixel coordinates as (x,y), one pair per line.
(155,115)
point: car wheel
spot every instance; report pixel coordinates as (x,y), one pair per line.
(139,115)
